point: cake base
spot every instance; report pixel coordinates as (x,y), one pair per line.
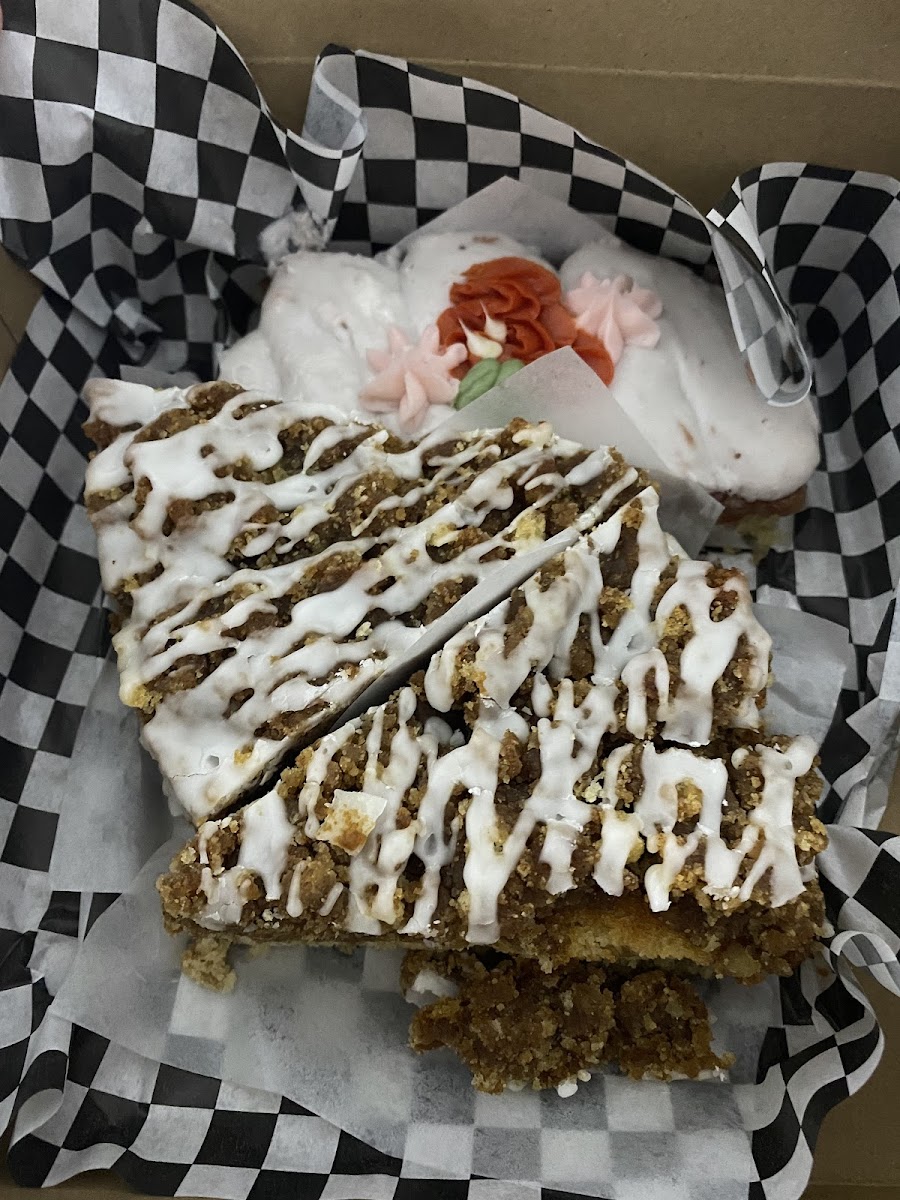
(738,509)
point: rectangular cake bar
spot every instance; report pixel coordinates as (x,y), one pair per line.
(400,828)
(512,797)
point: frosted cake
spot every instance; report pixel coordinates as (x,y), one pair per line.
(436,323)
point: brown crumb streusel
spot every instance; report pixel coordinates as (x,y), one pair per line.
(511,1023)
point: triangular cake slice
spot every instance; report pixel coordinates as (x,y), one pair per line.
(270,561)
(520,794)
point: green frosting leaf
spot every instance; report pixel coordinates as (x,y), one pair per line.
(482,377)
(476,382)
(509,368)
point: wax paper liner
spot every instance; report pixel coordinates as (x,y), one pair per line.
(138,166)
(330,1032)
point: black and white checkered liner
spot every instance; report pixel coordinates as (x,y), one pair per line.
(138,167)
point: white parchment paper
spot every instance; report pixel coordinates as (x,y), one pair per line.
(329,1030)
(538,221)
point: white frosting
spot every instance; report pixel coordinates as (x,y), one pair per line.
(690,396)
(327,649)
(323,312)
(320,315)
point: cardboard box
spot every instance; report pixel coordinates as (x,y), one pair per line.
(695,91)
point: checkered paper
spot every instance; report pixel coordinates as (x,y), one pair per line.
(138,167)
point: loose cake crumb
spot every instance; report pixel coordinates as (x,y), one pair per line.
(512,1024)
(205,960)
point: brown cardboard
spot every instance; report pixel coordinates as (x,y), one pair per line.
(825,40)
(693,90)
(19,291)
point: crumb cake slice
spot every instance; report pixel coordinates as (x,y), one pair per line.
(402,828)
(669,645)
(270,561)
(520,794)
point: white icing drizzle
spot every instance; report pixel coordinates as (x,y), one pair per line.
(442,771)
(294,905)
(331,899)
(655,814)
(773,818)
(322,754)
(709,651)
(619,837)
(327,650)
(634,675)
(631,652)
(205,832)
(378,867)
(224,898)
(266,834)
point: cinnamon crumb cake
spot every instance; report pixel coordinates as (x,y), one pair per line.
(269,561)
(571,810)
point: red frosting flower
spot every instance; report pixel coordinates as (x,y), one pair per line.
(526,299)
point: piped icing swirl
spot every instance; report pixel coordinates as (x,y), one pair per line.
(410,377)
(617,311)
